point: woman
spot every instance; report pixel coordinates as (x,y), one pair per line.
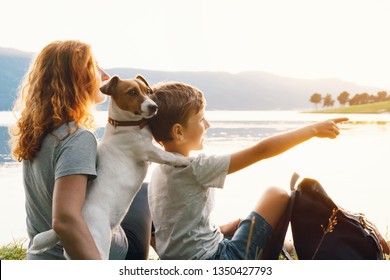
(53,140)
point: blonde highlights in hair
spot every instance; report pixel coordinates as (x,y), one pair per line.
(59,88)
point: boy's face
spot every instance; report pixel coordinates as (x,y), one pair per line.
(195,130)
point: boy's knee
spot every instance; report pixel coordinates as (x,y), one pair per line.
(277,195)
(272,205)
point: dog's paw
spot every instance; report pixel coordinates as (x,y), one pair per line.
(43,242)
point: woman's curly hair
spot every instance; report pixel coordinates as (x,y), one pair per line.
(60,87)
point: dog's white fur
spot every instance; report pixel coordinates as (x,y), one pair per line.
(123,157)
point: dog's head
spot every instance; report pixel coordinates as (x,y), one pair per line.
(132,95)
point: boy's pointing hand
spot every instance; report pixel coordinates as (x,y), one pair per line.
(328,128)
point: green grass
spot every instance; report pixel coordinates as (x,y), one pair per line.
(13,251)
(373,108)
(16,251)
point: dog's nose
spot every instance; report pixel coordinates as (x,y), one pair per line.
(153,108)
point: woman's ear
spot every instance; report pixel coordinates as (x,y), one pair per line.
(177,132)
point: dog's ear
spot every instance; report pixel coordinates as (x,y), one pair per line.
(139,77)
(110,85)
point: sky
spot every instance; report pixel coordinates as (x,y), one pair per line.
(346,39)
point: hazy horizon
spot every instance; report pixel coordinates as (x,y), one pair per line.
(299,39)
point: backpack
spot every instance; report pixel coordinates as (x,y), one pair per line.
(322,230)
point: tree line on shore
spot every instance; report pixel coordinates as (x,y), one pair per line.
(344,98)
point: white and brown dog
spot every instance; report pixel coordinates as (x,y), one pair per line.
(123,157)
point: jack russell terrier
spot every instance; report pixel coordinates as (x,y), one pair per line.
(123,157)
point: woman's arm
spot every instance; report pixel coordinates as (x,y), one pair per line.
(278,144)
(68,222)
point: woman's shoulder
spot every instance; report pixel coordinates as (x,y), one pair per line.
(70,132)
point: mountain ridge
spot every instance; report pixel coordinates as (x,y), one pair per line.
(247,90)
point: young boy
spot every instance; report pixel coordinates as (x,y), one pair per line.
(181,199)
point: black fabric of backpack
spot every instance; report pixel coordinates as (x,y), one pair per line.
(322,230)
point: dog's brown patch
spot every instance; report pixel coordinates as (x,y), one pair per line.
(128,94)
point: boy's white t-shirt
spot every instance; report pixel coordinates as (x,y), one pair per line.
(181,200)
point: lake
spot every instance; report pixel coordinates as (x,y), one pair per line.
(353,168)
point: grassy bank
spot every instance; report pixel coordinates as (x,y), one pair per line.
(13,251)
(373,108)
(16,251)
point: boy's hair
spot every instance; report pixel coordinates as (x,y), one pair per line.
(175,103)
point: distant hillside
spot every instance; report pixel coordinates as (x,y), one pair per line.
(254,90)
(224,91)
(13,66)
(371,108)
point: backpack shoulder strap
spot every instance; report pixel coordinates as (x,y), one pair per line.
(279,233)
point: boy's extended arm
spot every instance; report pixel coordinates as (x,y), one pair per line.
(278,144)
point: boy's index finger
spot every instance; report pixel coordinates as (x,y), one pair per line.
(339,120)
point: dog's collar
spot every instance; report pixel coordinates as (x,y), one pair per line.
(141,123)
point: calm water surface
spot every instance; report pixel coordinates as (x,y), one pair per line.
(352,168)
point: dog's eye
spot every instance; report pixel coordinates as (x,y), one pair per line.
(150,91)
(132,92)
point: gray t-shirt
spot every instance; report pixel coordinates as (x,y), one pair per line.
(180,201)
(75,154)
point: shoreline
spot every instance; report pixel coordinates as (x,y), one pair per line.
(372,108)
